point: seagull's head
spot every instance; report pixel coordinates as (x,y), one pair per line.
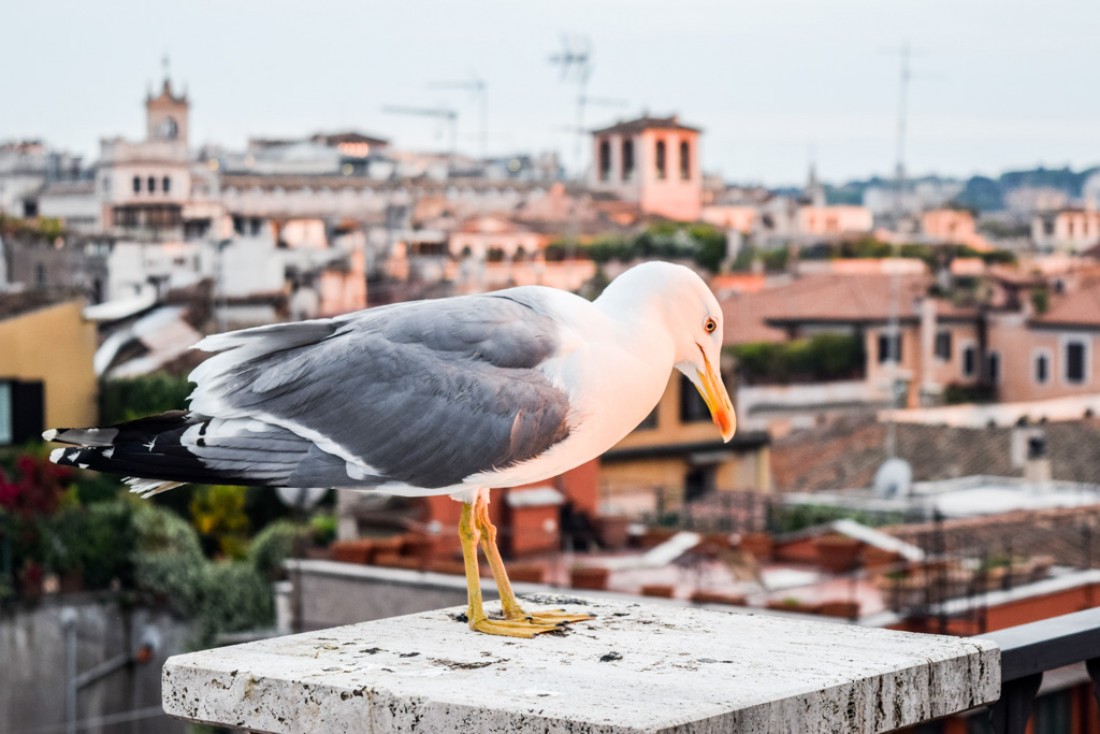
(678,298)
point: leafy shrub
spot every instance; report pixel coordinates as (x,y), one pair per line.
(956,394)
(273,545)
(96,541)
(168,559)
(234,598)
(218,513)
(792,518)
(822,357)
(323,528)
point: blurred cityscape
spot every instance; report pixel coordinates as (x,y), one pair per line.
(915,363)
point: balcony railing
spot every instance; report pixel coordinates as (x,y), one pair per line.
(1030,650)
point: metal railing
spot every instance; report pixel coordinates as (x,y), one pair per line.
(1029,650)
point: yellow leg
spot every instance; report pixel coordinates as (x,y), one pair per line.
(508,601)
(469,535)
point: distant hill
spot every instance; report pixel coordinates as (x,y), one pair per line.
(980,192)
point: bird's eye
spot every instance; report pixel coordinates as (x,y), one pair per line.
(710,325)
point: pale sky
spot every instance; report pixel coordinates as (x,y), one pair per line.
(997,84)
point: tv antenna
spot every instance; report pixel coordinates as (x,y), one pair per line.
(480,89)
(905,54)
(576,65)
(447,115)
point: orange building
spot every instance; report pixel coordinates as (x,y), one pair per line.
(951,226)
(653,161)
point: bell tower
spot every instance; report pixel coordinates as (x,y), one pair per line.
(166,114)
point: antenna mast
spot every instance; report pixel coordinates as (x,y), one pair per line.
(479,88)
(575,61)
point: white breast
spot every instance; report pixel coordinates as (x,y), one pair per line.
(614,374)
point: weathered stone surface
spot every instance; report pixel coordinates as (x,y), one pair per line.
(636,668)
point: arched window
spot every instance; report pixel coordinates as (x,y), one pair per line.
(151,184)
(662,167)
(137,184)
(685,160)
(628,160)
(605,159)
(166,184)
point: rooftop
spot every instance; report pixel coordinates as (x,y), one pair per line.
(1078,308)
(646,122)
(848,453)
(21,302)
(759,316)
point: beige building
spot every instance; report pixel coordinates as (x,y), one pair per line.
(46,374)
(733,217)
(677,455)
(1066,229)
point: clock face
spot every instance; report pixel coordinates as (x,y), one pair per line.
(168,129)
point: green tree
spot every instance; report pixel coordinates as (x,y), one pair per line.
(133,397)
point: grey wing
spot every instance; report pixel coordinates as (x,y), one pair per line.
(424,393)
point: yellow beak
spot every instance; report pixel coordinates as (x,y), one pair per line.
(717,399)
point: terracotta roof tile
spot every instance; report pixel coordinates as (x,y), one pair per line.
(646,122)
(816,298)
(1080,307)
(847,454)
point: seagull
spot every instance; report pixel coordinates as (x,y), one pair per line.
(449,396)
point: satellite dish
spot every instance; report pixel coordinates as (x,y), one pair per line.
(301,498)
(893,479)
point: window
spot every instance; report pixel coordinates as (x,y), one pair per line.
(889,348)
(699,482)
(628,160)
(650,420)
(40,275)
(605,159)
(137,184)
(152,184)
(1076,353)
(1042,368)
(693,409)
(685,160)
(662,170)
(166,184)
(969,360)
(943,345)
(993,367)
(6,429)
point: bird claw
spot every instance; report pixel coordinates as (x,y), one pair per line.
(526,627)
(558,617)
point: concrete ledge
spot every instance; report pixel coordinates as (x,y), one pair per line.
(637,668)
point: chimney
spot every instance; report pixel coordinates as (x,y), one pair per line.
(1037,467)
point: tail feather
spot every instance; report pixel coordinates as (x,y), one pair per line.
(165,451)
